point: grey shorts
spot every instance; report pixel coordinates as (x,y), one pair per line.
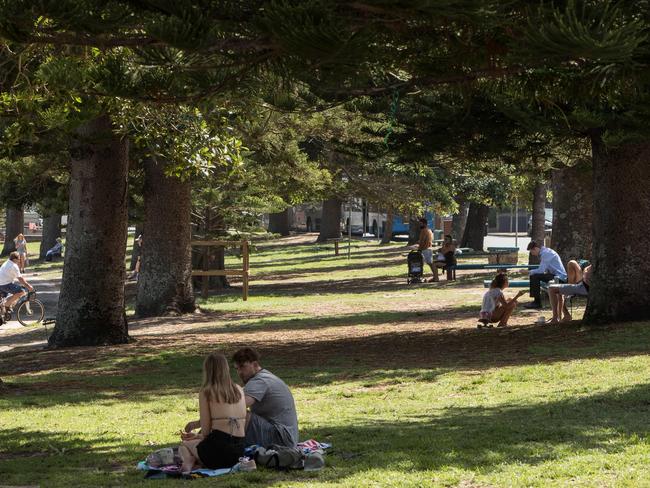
(427,255)
(577,289)
(262,432)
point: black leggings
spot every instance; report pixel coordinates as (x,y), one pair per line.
(220,450)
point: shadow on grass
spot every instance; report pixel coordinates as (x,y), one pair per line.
(390,253)
(396,318)
(458,442)
(154,366)
(485,439)
(383,283)
(343,265)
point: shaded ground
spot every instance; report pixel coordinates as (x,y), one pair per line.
(344,315)
(397,377)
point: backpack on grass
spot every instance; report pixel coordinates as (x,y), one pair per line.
(279,457)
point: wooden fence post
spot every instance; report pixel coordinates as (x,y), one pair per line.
(245,270)
(206,273)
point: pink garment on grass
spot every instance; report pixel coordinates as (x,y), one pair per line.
(485,315)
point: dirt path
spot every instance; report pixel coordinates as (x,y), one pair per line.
(12,334)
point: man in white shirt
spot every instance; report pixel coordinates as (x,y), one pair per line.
(9,274)
(550,266)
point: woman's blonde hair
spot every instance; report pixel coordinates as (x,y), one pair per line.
(20,237)
(217,383)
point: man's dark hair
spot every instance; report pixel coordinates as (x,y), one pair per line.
(245,355)
(532,244)
(14,255)
(424,221)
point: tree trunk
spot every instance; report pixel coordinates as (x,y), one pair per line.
(621,280)
(279,222)
(573,211)
(474,235)
(135,252)
(15,225)
(91,302)
(414,230)
(539,217)
(330,223)
(51,231)
(165,281)
(459,220)
(388,230)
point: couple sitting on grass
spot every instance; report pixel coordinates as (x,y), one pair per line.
(226,425)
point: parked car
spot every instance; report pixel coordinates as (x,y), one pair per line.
(548,221)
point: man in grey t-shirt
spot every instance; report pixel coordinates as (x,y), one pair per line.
(272,418)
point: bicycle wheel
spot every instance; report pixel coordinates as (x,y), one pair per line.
(30,312)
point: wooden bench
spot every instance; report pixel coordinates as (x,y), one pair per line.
(511,284)
(503,267)
(543,285)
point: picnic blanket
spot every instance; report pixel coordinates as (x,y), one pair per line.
(174,471)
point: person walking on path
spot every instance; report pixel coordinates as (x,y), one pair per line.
(21,249)
(272,418)
(9,274)
(550,267)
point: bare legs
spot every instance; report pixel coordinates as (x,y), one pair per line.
(502,313)
(189,455)
(434,271)
(558,305)
(21,262)
(13,299)
(574,272)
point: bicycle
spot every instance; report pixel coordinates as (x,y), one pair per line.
(29,310)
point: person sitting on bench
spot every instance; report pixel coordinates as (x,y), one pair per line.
(557,293)
(446,256)
(550,266)
(56,251)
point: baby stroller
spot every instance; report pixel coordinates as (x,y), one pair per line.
(415,263)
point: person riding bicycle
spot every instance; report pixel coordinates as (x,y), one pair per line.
(9,274)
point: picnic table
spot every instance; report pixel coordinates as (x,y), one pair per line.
(503,255)
(503,267)
(511,283)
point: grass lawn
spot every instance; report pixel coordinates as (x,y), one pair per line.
(396,377)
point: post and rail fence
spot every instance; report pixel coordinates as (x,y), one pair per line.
(207,273)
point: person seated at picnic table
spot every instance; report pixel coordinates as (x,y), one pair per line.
(56,251)
(496,308)
(550,267)
(222,418)
(557,293)
(446,255)
(272,418)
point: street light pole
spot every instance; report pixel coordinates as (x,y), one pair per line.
(517,222)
